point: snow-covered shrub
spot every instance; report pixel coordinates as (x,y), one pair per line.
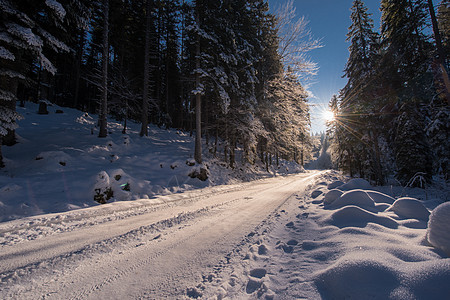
(438,232)
(410,208)
(199,172)
(102,188)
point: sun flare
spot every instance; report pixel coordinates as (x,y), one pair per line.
(328,116)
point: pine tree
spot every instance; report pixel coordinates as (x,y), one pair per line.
(412,150)
(31,31)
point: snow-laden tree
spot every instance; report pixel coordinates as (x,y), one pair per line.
(31,32)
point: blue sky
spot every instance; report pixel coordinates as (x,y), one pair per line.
(329,21)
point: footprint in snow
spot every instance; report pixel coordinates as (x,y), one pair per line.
(290,225)
(262,250)
(292,243)
(252,286)
(258,273)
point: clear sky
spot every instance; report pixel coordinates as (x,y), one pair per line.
(329,21)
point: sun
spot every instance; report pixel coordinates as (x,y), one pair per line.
(328,116)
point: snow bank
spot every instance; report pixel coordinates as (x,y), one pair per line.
(438,233)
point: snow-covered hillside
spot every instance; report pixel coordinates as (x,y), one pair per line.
(56,164)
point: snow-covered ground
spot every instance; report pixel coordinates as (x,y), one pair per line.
(58,158)
(310,235)
(352,244)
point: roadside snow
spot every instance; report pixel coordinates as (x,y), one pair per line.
(359,244)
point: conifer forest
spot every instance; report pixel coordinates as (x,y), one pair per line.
(232,71)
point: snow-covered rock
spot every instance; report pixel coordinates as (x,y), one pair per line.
(331,196)
(438,233)
(410,208)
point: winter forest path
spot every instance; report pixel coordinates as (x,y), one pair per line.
(156,254)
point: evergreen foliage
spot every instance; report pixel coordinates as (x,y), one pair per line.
(391,112)
(139,60)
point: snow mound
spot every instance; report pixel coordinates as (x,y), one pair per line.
(316,193)
(52,160)
(358,278)
(378,197)
(331,196)
(355,183)
(377,275)
(438,232)
(410,208)
(355,216)
(335,184)
(355,197)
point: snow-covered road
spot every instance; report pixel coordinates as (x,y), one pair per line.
(147,251)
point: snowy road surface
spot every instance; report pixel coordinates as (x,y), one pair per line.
(131,252)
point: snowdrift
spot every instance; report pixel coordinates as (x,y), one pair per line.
(383,248)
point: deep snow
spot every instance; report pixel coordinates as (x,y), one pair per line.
(332,238)
(362,244)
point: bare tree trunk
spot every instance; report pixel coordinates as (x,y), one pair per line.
(145,100)
(104,104)
(198,102)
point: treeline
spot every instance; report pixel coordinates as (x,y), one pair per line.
(393,115)
(223,69)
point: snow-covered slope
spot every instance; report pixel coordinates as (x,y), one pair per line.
(56,164)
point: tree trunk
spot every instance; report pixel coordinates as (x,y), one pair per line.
(198,101)
(145,96)
(104,104)
(216,139)
(232,152)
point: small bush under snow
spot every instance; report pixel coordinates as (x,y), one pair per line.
(102,188)
(438,232)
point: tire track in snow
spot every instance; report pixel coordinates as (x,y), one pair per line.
(113,262)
